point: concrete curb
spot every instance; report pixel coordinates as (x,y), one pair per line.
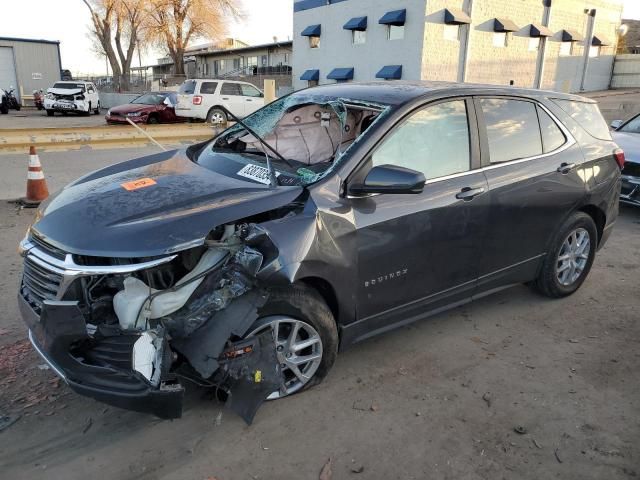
(107,136)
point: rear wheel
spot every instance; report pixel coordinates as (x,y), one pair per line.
(153,120)
(216,116)
(305,334)
(570,257)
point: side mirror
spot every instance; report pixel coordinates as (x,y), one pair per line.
(390,179)
(616,124)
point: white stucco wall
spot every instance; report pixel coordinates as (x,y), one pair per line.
(336,47)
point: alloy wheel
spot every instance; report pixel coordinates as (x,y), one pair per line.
(298,348)
(573,257)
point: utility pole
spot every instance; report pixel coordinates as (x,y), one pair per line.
(591,20)
(542,47)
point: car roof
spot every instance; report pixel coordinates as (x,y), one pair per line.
(218,80)
(398,92)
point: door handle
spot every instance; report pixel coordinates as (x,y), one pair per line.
(225,98)
(248,100)
(469,193)
(565,168)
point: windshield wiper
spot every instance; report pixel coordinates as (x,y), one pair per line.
(260,139)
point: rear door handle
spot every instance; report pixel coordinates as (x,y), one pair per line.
(565,168)
(469,193)
(225,98)
(249,100)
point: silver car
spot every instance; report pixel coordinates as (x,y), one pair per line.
(627,135)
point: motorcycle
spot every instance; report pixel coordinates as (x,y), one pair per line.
(38,99)
(4,105)
(12,101)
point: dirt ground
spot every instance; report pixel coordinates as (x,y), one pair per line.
(441,399)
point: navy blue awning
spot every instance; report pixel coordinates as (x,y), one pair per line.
(537,30)
(357,23)
(455,17)
(396,17)
(599,42)
(312,31)
(571,36)
(311,75)
(504,25)
(341,74)
(390,72)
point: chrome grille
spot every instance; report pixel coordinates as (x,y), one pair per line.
(47,247)
(39,283)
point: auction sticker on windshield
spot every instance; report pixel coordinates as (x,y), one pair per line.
(256,172)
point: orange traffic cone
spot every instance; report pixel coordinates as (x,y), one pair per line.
(37,190)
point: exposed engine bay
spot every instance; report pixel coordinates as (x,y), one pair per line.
(151,322)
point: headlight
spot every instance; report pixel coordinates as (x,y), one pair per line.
(50,96)
(108,113)
(134,114)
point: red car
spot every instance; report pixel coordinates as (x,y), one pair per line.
(152,107)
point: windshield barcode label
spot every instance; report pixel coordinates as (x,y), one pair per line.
(257,173)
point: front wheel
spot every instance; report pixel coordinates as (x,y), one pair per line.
(570,257)
(305,335)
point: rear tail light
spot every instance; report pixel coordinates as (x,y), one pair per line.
(618,154)
(197,100)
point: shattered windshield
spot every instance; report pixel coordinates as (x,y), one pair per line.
(310,132)
(150,99)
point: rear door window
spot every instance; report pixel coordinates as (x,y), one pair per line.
(208,87)
(512,129)
(552,136)
(434,141)
(587,115)
(230,89)
(188,87)
(250,91)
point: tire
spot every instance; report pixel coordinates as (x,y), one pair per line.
(153,120)
(97,110)
(50,113)
(296,303)
(556,279)
(88,112)
(217,116)
(4,109)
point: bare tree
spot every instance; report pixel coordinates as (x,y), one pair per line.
(174,23)
(118,27)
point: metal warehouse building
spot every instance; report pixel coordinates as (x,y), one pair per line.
(563,45)
(29,64)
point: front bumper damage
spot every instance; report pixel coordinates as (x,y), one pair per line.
(137,362)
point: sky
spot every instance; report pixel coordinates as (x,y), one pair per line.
(68,20)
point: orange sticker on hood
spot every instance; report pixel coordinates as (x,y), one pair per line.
(136,184)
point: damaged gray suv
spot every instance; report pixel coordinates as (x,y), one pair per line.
(329,216)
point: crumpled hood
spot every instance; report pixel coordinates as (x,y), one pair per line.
(630,143)
(103,214)
(64,91)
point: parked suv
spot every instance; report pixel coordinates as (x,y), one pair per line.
(332,215)
(72,96)
(203,99)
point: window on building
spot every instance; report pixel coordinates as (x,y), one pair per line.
(237,63)
(552,136)
(286,58)
(434,141)
(264,60)
(218,67)
(249,91)
(252,61)
(566,49)
(395,32)
(208,87)
(452,33)
(314,42)
(512,129)
(359,37)
(229,88)
(500,39)
(534,44)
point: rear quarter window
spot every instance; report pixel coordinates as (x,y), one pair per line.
(587,115)
(188,87)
